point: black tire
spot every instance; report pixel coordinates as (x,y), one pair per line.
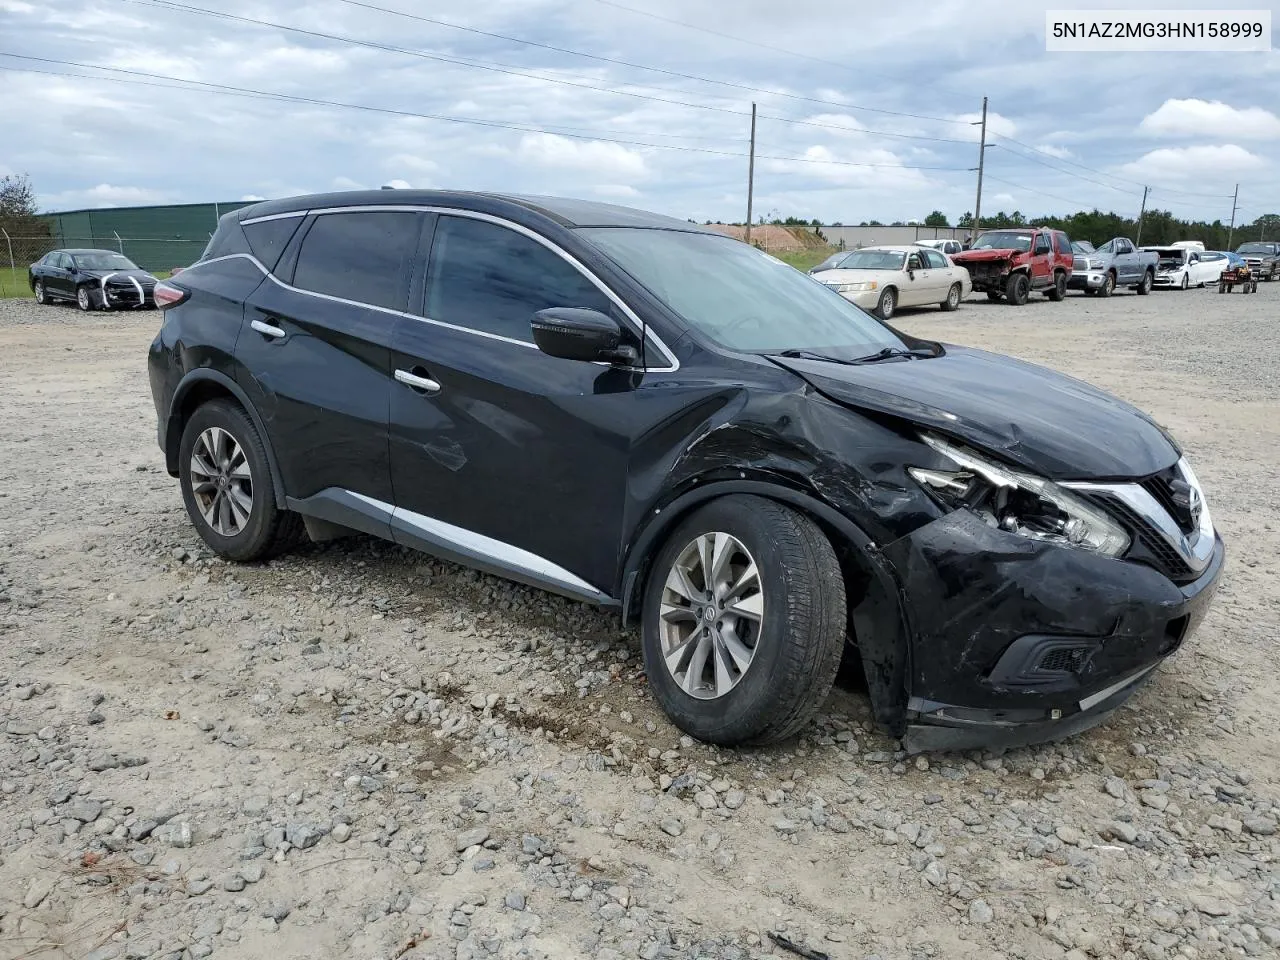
(888,304)
(1222,287)
(1144,286)
(801,634)
(1108,286)
(1017,288)
(84,297)
(953,299)
(269,530)
(1058,292)
(1186,281)
(994,295)
(39,292)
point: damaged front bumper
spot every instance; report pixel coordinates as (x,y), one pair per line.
(1018,642)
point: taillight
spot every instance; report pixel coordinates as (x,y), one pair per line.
(167,295)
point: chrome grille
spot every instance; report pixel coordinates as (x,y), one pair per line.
(1079,265)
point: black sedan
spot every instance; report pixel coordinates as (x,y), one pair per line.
(93,279)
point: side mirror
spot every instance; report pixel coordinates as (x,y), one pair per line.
(575,333)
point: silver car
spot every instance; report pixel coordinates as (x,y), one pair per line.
(881,279)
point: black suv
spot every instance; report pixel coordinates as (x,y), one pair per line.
(639,413)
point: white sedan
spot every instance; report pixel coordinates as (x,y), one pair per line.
(1180,268)
(882,279)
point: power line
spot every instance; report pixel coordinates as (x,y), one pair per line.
(662,70)
(1014,153)
(1043,193)
(518,72)
(201,86)
(493,67)
(1104,173)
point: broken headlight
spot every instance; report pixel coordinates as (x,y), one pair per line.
(1019,502)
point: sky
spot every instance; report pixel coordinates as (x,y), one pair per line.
(865,110)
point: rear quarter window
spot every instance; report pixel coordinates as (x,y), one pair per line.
(268,238)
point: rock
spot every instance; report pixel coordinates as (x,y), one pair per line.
(40,888)
(256,806)
(1211,906)
(86,811)
(232,883)
(671,827)
(341,832)
(303,836)
(514,901)
(734,799)
(1119,830)
(1069,835)
(785,827)
(1261,826)
(174,834)
(1226,824)
(277,910)
(979,912)
(683,785)
(1115,787)
(706,800)
(471,838)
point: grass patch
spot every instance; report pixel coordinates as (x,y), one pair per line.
(802,260)
(13,283)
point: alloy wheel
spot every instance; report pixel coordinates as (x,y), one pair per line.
(40,295)
(712,609)
(221,482)
(953,296)
(82,298)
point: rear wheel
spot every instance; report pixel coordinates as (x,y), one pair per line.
(1059,289)
(888,304)
(1144,287)
(953,298)
(744,622)
(84,299)
(1016,289)
(226,486)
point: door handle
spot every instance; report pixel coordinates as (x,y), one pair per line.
(418,381)
(266,329)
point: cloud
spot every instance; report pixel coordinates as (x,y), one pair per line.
(105,195)
(1181,163)
(1062,153)
(252,197)
(608,160)
(615,190)
(1211,118)
(400,184)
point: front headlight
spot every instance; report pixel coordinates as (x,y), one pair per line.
(858,286)
(1018,502)
(1095,264)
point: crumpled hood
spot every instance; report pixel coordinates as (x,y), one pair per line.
(1052,424)
(140,275)
(980,256)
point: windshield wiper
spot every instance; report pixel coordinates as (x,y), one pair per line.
(892,353)
(810,355)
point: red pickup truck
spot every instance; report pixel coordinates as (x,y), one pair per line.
(1013,261)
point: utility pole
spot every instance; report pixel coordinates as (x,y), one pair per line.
(1235,197)
(982,153)
(751,170)
(1141,214)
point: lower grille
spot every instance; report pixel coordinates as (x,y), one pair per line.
(1064,660)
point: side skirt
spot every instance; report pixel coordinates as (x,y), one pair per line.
(457,544)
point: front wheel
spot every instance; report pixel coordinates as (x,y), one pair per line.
(1186,281)
(1058,291)
(1108,285)
(84,299)
(39,291)
(744,622)
(888,304)
(226,486)
(953,298)
(1144,287)
(1016,289)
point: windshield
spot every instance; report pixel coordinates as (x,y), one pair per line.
(1004,240)
(872,260)
(1081,246)
(1257,248)
(104,261)
(741,298)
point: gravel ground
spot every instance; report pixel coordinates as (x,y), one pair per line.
(360,752)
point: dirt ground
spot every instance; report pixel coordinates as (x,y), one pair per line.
(359,752)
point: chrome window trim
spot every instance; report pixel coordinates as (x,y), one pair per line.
(503,553)
(1196,548)
(292,214)
(639,328)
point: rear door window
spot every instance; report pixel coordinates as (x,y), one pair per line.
(364,256)
(936,260)
(491,279)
